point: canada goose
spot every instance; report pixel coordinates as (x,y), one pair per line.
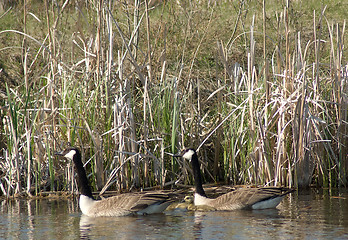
(121,205)
(242,198)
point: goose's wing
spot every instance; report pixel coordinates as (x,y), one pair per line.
(149,199)
(128,203)
(119,205)
(245,198)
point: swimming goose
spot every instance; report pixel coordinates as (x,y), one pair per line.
(242,198)
(121,205)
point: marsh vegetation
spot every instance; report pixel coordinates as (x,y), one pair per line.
(259,86)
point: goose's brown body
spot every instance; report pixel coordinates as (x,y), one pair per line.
(242,198)
(245,198)
(125,204)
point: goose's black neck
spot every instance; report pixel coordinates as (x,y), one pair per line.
(197,175)
(82,180)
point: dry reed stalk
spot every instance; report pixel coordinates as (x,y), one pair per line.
(265,63)
(333,72)
(148,125)
(28,136)
(219,133)
(198,113)
(98,39)
(286,89)
(119,139)
(265,157)
(250,79)
(340,99)
(176,113)
(136,23)
(49,102)
(149,52)
(161,171)
(145,128)
(98,156)
(163,174)
(317,44)
(108,60)
(27,87)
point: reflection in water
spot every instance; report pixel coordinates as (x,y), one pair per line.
(91,227)
(309,215)
(197,227)
(237,224)
(36,219)
(154,226)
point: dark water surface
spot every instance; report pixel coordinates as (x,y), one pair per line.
(313,214)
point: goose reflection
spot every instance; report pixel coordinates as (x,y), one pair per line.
(91,227)
(207,223)
(128,227)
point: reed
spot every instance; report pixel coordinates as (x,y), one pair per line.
(261,93)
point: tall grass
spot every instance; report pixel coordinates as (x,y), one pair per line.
(262,96)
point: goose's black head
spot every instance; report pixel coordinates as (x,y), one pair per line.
(71,153)
(187,154)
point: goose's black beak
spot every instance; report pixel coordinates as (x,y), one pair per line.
(59,154)
(178,155)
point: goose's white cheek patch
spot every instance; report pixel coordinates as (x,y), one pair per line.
(188,154)
(70,155)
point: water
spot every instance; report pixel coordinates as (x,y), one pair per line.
(308,215)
